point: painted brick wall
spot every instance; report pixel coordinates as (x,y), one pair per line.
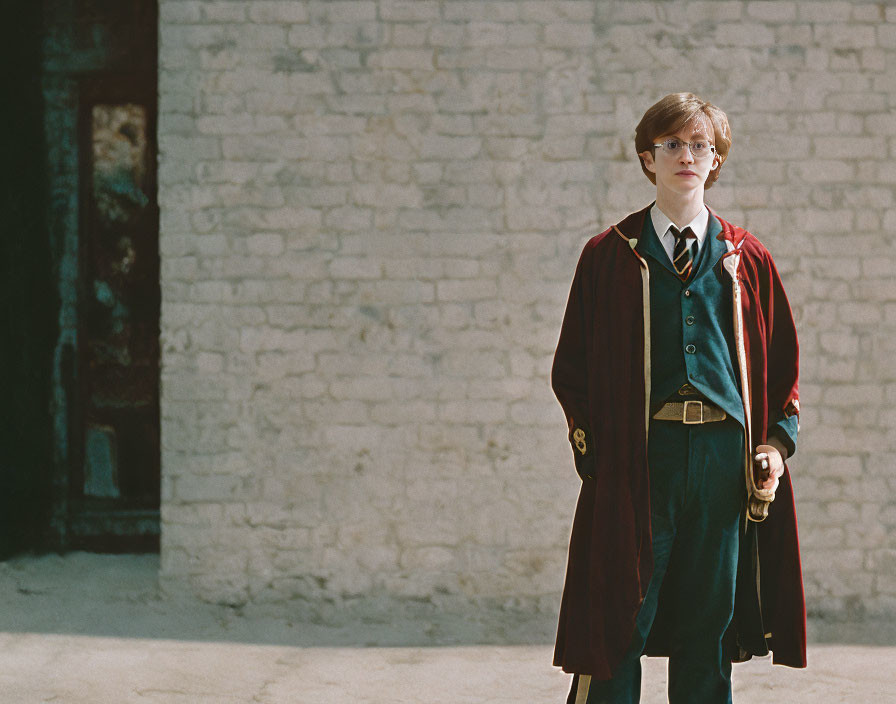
(371,212)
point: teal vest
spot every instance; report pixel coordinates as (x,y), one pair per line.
(691,325)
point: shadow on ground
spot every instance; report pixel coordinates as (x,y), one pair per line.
(119,596)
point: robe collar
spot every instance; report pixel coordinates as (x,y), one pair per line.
(631,226)
(712,249)
(733,236)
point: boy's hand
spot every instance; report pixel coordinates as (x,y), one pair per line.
(768,463)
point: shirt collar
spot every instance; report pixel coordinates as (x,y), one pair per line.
(698,225)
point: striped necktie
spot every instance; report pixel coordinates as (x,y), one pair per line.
(682,258)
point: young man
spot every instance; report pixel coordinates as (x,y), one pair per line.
(677,370)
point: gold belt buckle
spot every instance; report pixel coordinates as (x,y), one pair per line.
(685,417)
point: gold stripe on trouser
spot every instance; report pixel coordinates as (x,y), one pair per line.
(582,689)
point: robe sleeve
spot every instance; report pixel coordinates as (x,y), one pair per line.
(569,373)
(783,363)
(785,429)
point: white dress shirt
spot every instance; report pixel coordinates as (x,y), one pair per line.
(661,224)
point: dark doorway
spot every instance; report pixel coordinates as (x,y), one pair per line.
(28,294)
(115,488)
(100,85)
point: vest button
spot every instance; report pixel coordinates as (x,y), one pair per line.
(687,292)
(689,320)
(690,349)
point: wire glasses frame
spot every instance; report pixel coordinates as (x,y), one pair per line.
(700,149)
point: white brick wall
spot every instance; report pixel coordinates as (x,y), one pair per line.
(371,213)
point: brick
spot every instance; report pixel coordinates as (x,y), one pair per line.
(880,124)
(472,10)
(636,12)
(307,36)
(446,34)
(568,35)
(348,219)
(826,221)
(210,488)
(842,36)
(487,34)
(223,11)
(179,12)
(868,12)
(420,59)
(523,34)
(266,244)
(473,412)
(444,147)
(465,290)
(225,124)
(834,11)
(874,59)
(566,125)
(409,10)
(577,10)
(399,413)
(852,395)
(859,313)
(283,11)
(716,11)
(513,58)
(387,195)
(409,35)
(349,11)
(746,34)
(772,11)
(356,268)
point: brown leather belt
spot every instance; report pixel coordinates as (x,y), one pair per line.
(690,412)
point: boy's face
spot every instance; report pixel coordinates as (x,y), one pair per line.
(682,174)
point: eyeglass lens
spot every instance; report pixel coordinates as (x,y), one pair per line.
(698,149)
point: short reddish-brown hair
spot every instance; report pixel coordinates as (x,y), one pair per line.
(671,114)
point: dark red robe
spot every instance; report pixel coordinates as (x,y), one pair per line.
(601,378)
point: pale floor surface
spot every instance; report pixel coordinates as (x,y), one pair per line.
(82,630)
(90,670)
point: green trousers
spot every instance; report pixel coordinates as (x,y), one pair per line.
(697,494)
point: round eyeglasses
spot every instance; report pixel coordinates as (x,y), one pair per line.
(699,149)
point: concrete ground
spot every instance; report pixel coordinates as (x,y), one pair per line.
(90,629)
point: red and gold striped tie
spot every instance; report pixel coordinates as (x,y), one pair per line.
(682,259)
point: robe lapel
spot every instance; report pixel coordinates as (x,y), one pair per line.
(650,246)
